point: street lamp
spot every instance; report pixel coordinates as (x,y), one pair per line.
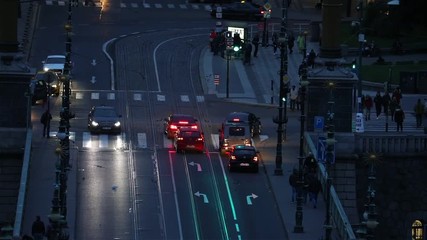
(58,216)
(298,228)
(330,158)
(281,119)
(369,223)
(361,39)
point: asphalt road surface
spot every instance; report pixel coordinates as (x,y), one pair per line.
(145,62)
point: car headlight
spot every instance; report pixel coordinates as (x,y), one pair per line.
(117,124)
(94,124)
(46,69)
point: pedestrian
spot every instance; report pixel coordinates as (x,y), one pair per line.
(399,117)
(386,102)
(291,40)
(398,94)
(255,42)
(294,96)
(419,112)
(378,101)
(314,188)
(393,106)
(311,57)
(275,40)
(38,230)
(45,120)
(299,99)
(248,53)
(368,105)
(310,163)
(301,44)
(212,37)
(293,181)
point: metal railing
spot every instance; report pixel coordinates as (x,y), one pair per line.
(339,218)
(391,144)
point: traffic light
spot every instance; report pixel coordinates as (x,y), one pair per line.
(353,64)
(229,39)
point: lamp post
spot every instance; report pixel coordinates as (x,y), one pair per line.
(369,223)
(330,158)
(281,118)
(361,39)
(58,215)
(299,228)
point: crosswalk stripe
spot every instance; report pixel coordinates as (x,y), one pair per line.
(170,5)
(103,141)
(134,5)
(61,3)
(161,98)
(183,6)
(94,95)
(185,98)
(111,96)
(194,6)
(137,96)
(146,5)
(200,98)
(87,141)
(122,5)
(49,2)
(158,5)
(142,140)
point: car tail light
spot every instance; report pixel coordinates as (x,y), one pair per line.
(183,122)
(180,139)
(194,127)
(236,120)
(200,139)
(173,127)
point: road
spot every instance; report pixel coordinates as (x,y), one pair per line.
(134,185)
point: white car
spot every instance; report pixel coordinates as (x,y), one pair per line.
(54,63)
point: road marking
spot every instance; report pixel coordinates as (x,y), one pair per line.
(195,6)
(122,5)
(199,167)
(167,143)
(200,98)
(87,141)
(263,138)
(170,5)
(215,140)
(248,198)
(161,98)
(185,98)
(111,96)
(158,5)
(142,140)
(205,198)
(94,95)
(137,96)
(134,5)
(79,95)
(146,5)
(103,141)
(183,6)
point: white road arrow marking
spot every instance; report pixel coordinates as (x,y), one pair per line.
(248,198)
(93,62)
(205,198)
(93,80)
(199,167)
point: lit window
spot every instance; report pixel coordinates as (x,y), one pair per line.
(417,230)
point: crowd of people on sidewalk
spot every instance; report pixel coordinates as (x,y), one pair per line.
(390,105)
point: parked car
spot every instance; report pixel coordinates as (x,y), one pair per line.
(240,10)
(245,157)
(176,121)
(189,138)
(104,119)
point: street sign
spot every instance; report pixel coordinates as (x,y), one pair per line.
(359,123)
(319,123)
(267,6)
(216,79)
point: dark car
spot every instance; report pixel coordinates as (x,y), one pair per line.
(189,138)
(245,157)
(104,119)
(175,121)
(240,10)
(248,118)
(44,84)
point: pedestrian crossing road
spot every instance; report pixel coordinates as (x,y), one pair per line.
(104,142)
(97,3)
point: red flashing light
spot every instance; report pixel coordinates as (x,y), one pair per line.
(236,119)
(183,122)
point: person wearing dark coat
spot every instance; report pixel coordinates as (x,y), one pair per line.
(38,230)
(378,101)
(386,102)
(314,188)
(248,53)
(255,42)
(293,182)
(399,117)
(45,120)
(291,42)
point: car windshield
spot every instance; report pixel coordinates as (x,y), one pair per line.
(104,113)
(236,131)
(55,60)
